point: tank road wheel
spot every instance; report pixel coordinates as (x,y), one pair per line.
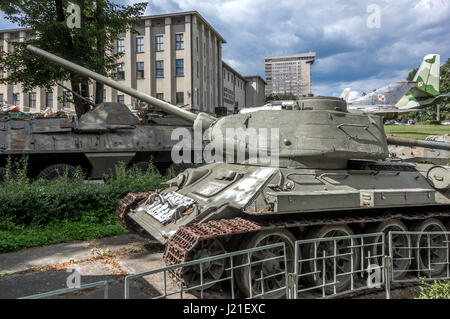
(429,258)
(212,270)
(53,171)
(401,256)
(342,261)
(270,268)
(129,202)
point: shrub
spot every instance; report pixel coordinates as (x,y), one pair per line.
(23,202)
(436,290)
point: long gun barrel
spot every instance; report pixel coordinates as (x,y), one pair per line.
(402,141)
(169,108)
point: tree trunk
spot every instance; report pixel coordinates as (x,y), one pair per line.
(99,87)
(85,93)
(438,113)
(79,104)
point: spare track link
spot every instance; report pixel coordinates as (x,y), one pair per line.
(179,246)
(131,201)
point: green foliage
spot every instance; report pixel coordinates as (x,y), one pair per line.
(436,290)
(15,237)
(416,131)
(42,202)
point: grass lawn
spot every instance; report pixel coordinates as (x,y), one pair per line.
(419,132)
(18,237)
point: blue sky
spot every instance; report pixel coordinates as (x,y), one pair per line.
(349,53)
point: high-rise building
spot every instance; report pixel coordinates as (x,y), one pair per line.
(289,74)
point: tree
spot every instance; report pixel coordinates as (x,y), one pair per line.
(91,46)
(281,97)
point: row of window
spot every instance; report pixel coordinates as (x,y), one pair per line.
(179,96)
(159,68)
(66,95)
(159,43)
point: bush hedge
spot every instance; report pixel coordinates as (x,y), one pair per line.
(40,202)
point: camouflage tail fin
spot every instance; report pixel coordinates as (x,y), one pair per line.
(426,88)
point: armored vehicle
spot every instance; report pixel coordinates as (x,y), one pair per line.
(416,153)
(329,179)
(101,138)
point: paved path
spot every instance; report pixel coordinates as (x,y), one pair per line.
(43,269)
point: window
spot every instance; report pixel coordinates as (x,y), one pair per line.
(180,67)
(158,23)
(1,99)
(179,41)
(180,97)
(121,99)
(121,71)
(159,42)
(197,70)
(32,99)
(16,99)
(139,70)
(160,96)
(180,20)
(197,44)
(140,45)
(49,99)
(120,45)
(160,69)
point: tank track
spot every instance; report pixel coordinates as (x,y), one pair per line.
(179,246)
(129,202)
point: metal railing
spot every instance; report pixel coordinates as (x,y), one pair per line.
(230,269)
(53,293)
(424,257)
(334,264)
(322,268)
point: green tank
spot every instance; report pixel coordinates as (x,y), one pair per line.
(330,178)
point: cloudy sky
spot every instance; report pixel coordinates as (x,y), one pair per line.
(354,48)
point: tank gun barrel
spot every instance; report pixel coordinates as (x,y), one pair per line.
(402,141)
(167,107)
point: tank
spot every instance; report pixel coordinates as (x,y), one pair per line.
(416,153)
(98,140)
(331,178)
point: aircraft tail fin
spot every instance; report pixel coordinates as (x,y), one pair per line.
(426,88)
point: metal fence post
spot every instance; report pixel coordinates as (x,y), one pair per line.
(387,275)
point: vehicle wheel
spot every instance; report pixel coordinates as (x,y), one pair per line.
(3,174)
(342,262)
(180,167)
(212,270)
(53,171)
(400,243)
(273,269)
(430,250)
(144,166)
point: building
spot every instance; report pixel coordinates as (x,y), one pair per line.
(289,74)
(241,91)
(175,57)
